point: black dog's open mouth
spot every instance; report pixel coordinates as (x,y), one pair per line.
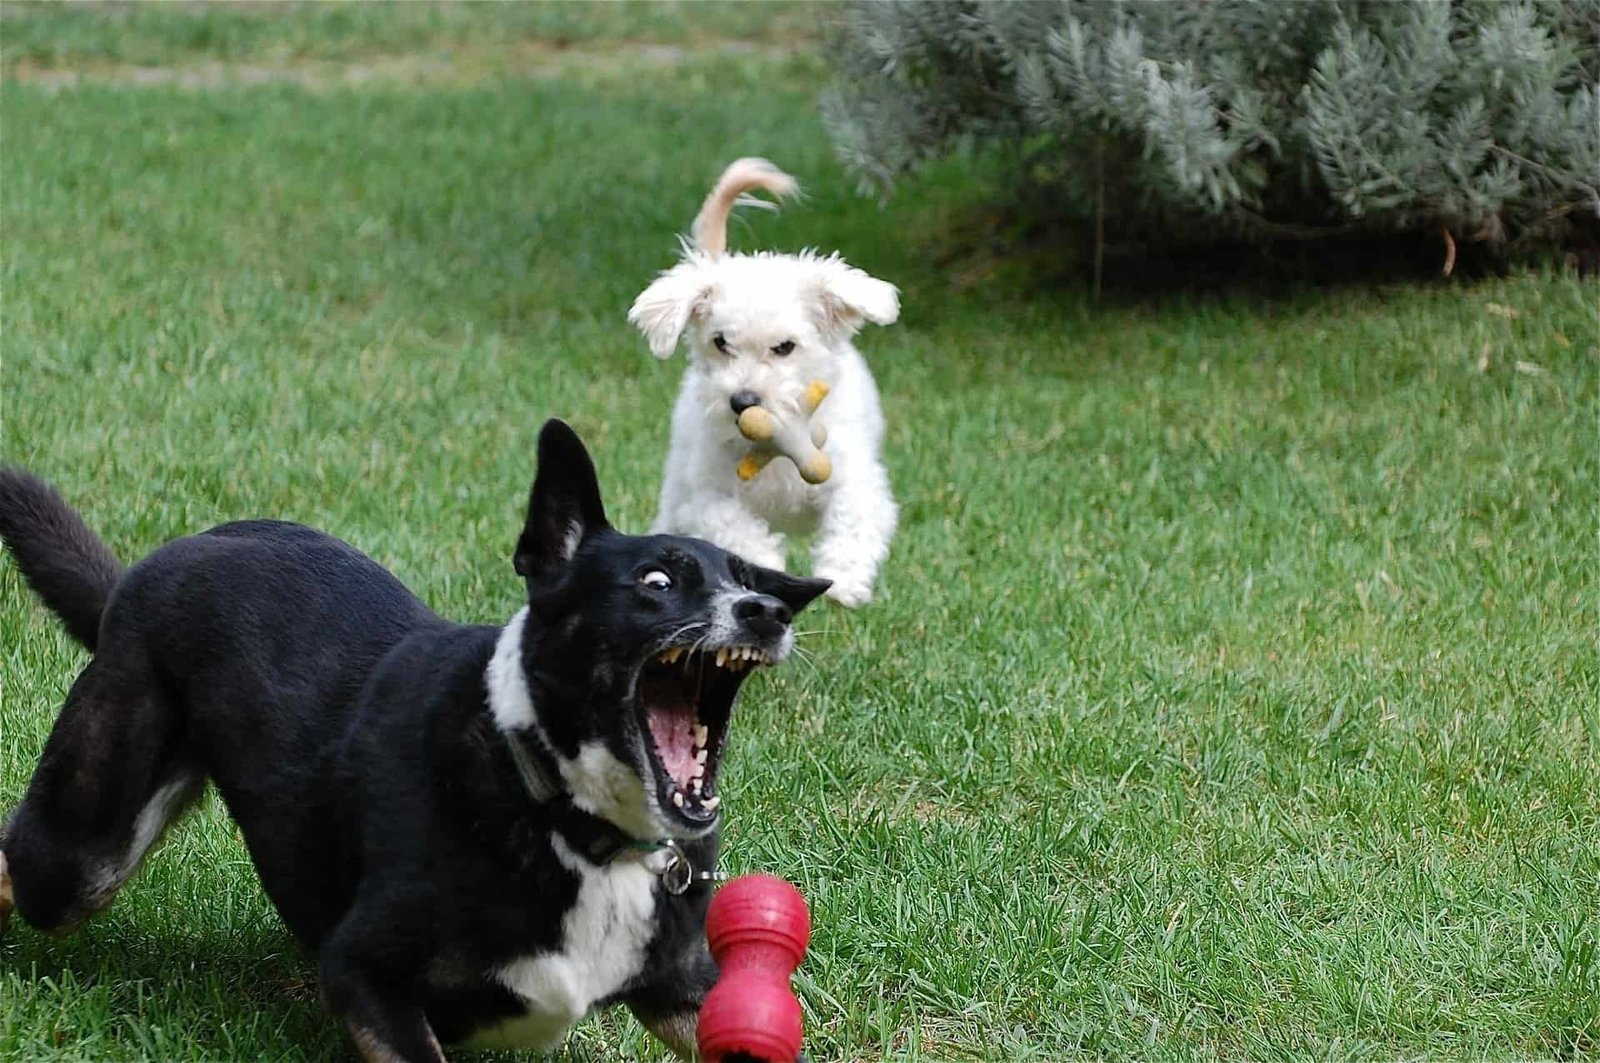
(687,699)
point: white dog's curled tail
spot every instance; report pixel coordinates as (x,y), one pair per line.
(711,224)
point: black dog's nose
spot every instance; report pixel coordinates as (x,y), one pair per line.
(763,615)
(743,400)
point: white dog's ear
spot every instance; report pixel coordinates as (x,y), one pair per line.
(662,311)
(848,298)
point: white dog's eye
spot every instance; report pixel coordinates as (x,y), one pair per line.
(656,580)
(720,342)
(782,350)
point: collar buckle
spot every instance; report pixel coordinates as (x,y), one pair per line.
(678,873)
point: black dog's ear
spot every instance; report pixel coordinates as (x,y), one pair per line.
(796,592)
(564,506)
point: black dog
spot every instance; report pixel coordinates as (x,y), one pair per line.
(483,832)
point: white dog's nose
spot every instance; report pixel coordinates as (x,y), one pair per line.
(743,400)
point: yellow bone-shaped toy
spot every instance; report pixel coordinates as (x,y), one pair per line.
(800,440)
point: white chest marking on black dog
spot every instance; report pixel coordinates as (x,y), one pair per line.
(509,700)
(604,786)
(605,934)
(603,941)
(598,781)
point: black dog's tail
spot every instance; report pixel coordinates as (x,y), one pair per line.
(64,562)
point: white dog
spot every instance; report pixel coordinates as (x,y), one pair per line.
(761,328)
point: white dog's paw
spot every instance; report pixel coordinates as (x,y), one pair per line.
(847,592)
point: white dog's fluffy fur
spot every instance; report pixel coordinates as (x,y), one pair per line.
(758,303)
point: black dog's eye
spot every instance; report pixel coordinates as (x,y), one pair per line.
(783,349)
(656,580)
(720,342)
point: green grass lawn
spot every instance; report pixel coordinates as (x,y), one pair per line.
(1232,688)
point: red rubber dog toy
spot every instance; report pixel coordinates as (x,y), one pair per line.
(758,928)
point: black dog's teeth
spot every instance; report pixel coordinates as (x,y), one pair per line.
(733,658)
(702,752)
(738,658)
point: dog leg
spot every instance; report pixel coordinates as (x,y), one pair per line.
(384,1029)
(113,776)
(373,1047)
(853,538)
(676,1030)
(669,1005)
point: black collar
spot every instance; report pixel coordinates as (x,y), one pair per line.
(597,840)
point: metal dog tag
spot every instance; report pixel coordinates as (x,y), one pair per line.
(679,873)
(677,876)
